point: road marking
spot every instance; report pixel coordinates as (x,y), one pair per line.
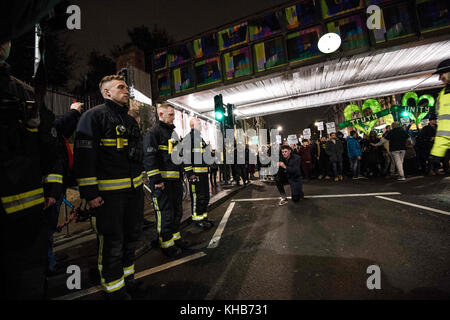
(328,196)
(415,205)
(216,237)
(83,293)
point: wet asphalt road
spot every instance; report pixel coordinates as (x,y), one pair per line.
(319,248)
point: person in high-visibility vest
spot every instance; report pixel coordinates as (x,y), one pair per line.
(442,141)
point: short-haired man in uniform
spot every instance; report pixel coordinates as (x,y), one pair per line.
(197,172)
(108,168)
(165,180)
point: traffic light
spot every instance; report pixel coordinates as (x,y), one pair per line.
(219,111)
(229,122)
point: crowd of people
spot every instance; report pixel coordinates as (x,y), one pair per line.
(397,152)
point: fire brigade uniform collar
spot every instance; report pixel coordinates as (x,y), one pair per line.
(165,125)
(116,107)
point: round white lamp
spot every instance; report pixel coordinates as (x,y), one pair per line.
(329,42)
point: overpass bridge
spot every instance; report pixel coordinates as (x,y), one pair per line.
(270,63)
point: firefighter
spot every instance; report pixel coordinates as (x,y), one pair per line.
(27,152)
(165,181)
(442,141)
(108,167)
(197,172)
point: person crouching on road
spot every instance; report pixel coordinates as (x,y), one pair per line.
(289,173)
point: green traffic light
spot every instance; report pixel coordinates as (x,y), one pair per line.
(219,116)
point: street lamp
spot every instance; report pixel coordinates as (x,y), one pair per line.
(280,128)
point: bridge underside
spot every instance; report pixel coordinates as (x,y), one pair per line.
(368,75)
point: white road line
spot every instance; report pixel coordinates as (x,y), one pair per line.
(216,237)
(415,205)
(141,274)
(329,196)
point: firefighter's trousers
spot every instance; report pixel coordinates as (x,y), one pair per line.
(118,223)
(168,205)
(199,197)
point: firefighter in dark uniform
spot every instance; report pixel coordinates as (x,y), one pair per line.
(27,152)
(165,180)
(108,168)
(197,172)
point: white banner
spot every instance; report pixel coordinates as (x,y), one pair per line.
(292,139)
(320,126)
(331,127)
(307,133)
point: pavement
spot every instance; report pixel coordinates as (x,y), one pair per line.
(320,248)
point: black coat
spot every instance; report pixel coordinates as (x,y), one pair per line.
(293,174)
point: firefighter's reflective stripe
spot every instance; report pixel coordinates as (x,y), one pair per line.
(194,203)
(23,200)
(158,215)
(199,217)
(138,181)
(163,147)
(443,133)
(187,169)
(201,169)
(87,181)
(176,236)
(166,244)
(113,142)
(170,174)
(34,130)
(118,184)
(198,150)
(444,117)
(127,271)
(153,172)
(53,178)
(114,285)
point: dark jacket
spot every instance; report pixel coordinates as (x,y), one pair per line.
(424,140)
(293,173)
(334,150)
(108,151)
(60,175)
(157,154)
(397,139)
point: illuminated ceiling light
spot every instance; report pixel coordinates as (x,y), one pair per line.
(405,113)
(329,42)
(280,128)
